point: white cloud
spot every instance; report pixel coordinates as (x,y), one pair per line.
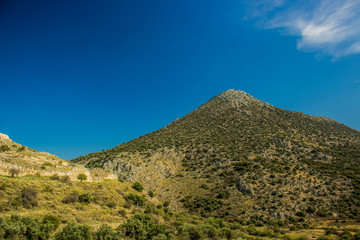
(330,27)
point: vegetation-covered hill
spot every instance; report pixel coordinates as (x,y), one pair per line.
(237,158)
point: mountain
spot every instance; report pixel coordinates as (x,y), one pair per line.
(239,158)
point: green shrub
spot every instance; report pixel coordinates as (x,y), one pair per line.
(141,227)
(111,204)
(191,231)
(138,187)
(65,179)
(136,199)
(20,149)
(82,177)
(356,236)
(223,195)
(225,233)
(209,230)
(53,220)
(55,177)
(301,214)
(322,213)
(3,186)
(310,210)
(24,228)
(85,198)
(73,231)
(105,232)
(166,204)
(151,194)
(47,164)
(4,148)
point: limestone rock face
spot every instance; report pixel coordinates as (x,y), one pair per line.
(242,187)
(151,171)
(4,136)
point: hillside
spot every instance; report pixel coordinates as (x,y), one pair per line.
(239,158)
(37,205)
(19,160)
(40,207)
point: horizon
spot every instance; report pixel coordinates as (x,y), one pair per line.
(79,77)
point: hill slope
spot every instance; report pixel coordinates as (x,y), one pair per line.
(240,158)
(19,160)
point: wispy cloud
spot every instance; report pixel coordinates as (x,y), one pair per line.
(327,27)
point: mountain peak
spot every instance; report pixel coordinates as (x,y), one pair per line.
(237,97)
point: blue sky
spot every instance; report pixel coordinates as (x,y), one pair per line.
(82,76)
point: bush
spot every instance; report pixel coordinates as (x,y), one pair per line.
(136,199)
(51,220)
(73,231)
(3,186)
(71,198)
(65,179)
(29,198)
(20,149)
(111,204)
(105,232)
(151,194)
(55,177)
(356,236)
(331,231)
(4,148)
(24,228)
(138,187)
(47,164)
(141,227)
(225,233)
(166,204)
(322,213)
(85,198)
(191,231)
(310,210)
(301,214)
(223,195)
(82,177)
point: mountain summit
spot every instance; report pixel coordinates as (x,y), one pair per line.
(237,97)
(240,158)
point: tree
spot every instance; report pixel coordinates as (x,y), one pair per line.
(14,172)
(82,177)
